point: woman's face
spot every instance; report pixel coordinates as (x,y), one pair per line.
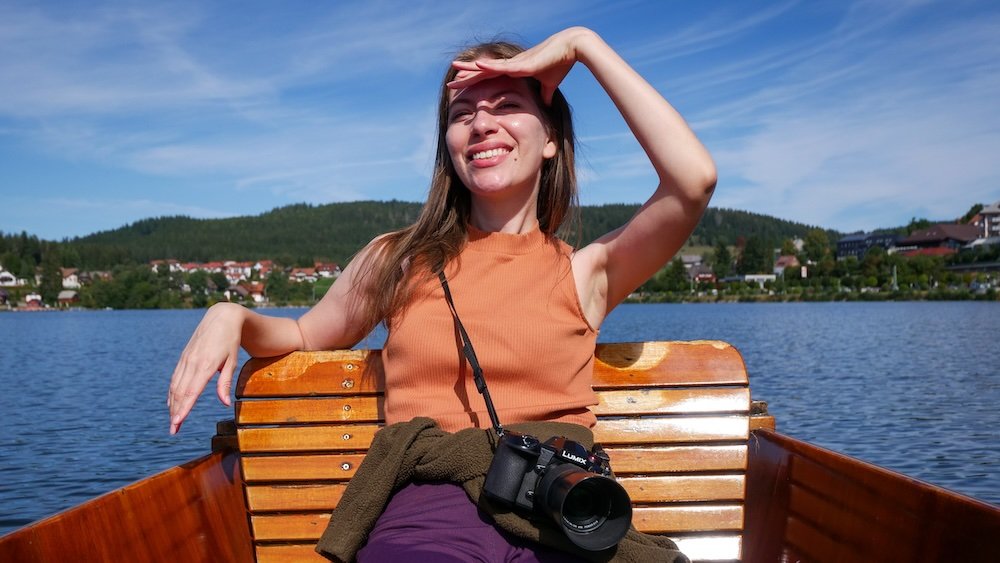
(497,137)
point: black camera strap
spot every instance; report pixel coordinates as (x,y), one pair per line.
(470,354)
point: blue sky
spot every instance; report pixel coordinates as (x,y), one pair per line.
(846,115)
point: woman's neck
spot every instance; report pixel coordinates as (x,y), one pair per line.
(513,215)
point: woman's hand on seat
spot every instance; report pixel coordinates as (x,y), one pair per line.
(213,348)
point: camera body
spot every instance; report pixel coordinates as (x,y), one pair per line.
(521,460)
(562,479)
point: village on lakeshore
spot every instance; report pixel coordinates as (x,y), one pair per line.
(959,260)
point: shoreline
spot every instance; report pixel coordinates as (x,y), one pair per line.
(632,300)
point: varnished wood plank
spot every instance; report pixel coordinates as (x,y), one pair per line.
(675,519)
(300,467)
(674,459)
(885,537)
(762,422)
(300,410)
(192,512)
(369,408)
(681,488)
(624,460)
(290,527)
(671,429)
(314,496)
(866,490)
(639,364)
(622,431)
(345,437)
(643,364)
(818,546)
(659,519)
(325,496)
(336,372)
(301,553)
(720,547)
(673,401)
(950,527)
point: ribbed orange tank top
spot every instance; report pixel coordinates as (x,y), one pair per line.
(517,298)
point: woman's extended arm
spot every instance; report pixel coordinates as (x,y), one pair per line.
(334,322)
(611,267)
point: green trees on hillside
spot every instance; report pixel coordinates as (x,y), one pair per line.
(741,243)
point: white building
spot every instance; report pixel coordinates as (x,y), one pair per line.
(8,279)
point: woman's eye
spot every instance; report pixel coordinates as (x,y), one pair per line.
(459,115)
(507,105)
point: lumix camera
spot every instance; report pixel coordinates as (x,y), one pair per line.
(562,480)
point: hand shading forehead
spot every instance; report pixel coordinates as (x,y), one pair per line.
(491,89)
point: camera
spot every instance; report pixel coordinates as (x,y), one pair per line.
(562,480)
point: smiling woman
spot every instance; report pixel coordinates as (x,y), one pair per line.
(504,184)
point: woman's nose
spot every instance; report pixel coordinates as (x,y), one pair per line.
(484,122)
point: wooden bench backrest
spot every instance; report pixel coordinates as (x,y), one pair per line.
(674,417)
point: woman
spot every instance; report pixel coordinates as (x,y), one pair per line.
(503,184)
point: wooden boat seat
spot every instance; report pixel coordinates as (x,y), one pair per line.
(675,418)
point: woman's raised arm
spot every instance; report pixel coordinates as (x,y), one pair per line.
(614,265)
(618,262)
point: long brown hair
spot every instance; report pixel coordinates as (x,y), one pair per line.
(400,258)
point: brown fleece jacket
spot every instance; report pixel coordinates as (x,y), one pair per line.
(420,451)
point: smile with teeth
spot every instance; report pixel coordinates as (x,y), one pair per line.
(489,153)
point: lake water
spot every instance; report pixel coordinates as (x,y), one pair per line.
(914,387)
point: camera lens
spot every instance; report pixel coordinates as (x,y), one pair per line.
(594,511)
(584,508)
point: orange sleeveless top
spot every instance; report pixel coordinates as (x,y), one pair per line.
(516,296)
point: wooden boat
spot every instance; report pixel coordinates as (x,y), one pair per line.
(701,462)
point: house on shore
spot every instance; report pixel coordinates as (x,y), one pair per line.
(988,221)
(701,273)
(33,301)
(70,278)
(327,269)
(302,275)
(939,240)
(68,298)
(858,244)
(783,262)
(8,279)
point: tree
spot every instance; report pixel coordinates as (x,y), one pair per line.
(816,245)
(917,225)
(198,282)
(971,213)
(722,260)
(278,291)
(220,280)
(51,283)
(675,276)
(757,257)
(788,248)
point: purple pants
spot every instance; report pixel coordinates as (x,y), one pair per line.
(437,522)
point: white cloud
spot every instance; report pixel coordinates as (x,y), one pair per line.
(909,124)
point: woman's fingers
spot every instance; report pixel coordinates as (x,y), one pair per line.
(190,379)
(213,348)
(548,62)
(224,385)
(183,395)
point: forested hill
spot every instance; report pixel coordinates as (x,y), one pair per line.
(298,234)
